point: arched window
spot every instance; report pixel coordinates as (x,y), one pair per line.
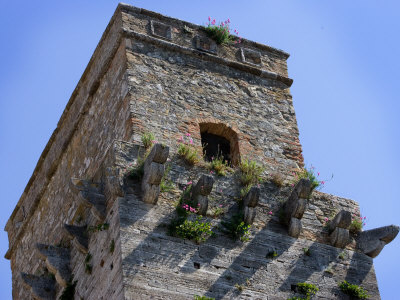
(219,140)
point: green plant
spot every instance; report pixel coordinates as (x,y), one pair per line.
(88,266)
(307,251)
(136,171)
(307,289)
(166,185)
(244,191)
(197,230)
(112,246)
(357,223)
(310,175)
(147,139)
(236,228)
(353,290)
(343,255)
(69,291)
(272,254)
(250,172)
(187,150)
(219,165)
(218,211)
(239,287)
(100,227)
(220,33)
(197,297)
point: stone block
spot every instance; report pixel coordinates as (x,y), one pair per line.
(205,44)
(340,237)
(57,262)
(200,191)
(251,199)
(42,287)
(161,30)
(150,193)
(250,56)
(79,236)
(371,242)
(249,215)
(295,227)
(341,220)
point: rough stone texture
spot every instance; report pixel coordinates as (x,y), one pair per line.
(148,75)
(371,242)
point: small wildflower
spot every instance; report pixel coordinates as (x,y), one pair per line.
(270,212)
(190,182)
(220,205)
(211,172)
(326,219)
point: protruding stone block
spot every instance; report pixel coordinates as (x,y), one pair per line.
(96,201)
(158,154)
(371,242)
(250,56)
(297,202)
(204,185)
(249,215)
(341,220)
(200,192)
(161,30)
(57,261)
(205,44)
(84,185)
(251,199)
(295,227)
(79,236)
(340,237)
(42,287)
(153,173)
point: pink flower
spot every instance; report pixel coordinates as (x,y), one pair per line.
(364,224)
(322,182)
(292,184)
(213,22)
(187,134)
(191,141)
(154,141)
(270,212)
(365,218)
(228,21)
(198,204)
(209,18)
(211,172)
(318,173)
(220,205)
(189,183)
(326,219)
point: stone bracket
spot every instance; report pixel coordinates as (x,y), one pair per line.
(153,173)
(250,202)
(205,44)
(96,202)
(296,205)
(57,261)
(371,242)
(250,57)
(42,287)
(200,191)
(339,229)
(160,30)
(79,236)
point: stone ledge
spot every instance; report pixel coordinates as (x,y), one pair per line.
(208,56)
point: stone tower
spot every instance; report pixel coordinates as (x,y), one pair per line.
(104,218)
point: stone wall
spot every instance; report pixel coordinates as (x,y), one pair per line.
(151,73)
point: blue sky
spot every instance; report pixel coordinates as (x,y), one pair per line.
(344,62)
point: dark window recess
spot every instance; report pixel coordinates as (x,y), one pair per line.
(196,265)
(215,146)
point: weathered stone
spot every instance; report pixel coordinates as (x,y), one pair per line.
(203,201)
(43,288)
(57,262)
(204,185)
(140,81)
(249,215)
(95,201)
(295,227)
(158,154)
(341,220)
(297,202)
(340,237)
(371,242)
(79,236)
(303,188)
(251,199)
(154,174)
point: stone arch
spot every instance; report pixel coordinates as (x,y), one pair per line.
(223,135)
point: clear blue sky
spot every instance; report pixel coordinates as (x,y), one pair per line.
(344,62)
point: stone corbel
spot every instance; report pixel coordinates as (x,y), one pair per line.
(371,242)
(339,229)
(250,202)
(296,205)
(200,191)
(153,173)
